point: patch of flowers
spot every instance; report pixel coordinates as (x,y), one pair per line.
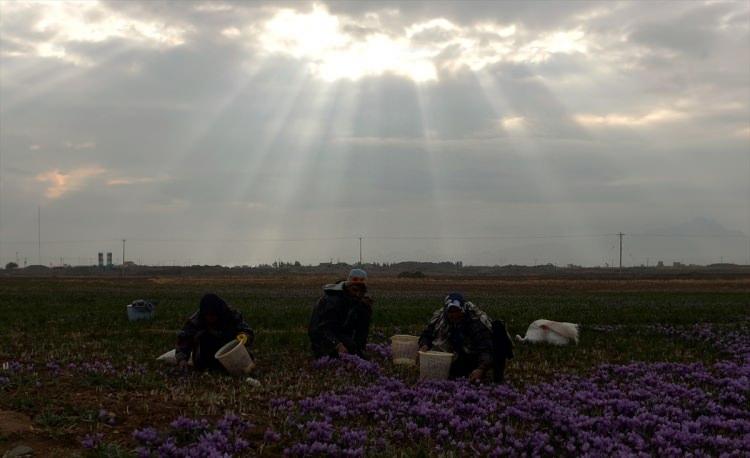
(382,351)
(56,368)
(734,342)
(188,437)
(348,364)
(13,367)
(666,409)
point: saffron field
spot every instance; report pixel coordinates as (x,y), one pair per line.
(663,368)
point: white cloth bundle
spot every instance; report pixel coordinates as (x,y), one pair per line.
(553,332)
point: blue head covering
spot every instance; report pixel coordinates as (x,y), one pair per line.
(357,275)
(455,300)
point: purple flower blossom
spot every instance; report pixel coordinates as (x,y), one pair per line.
(146,436)
(92,441)
(271,436)
(188,424)
(107,417)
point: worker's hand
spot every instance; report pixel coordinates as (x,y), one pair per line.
(341,348)
(182,364)
(367,300)
(243,337)
(476,375)
(424,348)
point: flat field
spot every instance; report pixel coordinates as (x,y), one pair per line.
(663,368)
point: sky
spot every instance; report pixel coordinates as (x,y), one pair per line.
(486,132)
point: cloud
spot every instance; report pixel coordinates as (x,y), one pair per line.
(615,119)
(80,145)
(128,181)
(512,122)
(56,26)
(60,183)
(326,42)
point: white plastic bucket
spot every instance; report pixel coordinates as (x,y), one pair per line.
(235,358)
(434,365)
(404,349)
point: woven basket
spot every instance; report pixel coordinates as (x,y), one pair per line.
(434,365)
(404,349)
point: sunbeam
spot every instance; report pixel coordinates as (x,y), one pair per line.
(522,140)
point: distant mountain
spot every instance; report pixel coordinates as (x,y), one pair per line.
(697,226)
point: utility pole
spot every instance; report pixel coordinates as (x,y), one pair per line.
(360,251)
(620,235)
(123,257)
(39,234)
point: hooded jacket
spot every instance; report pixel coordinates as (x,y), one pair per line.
(339,317)
(230,324)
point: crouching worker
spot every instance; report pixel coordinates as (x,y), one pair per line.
(480,345)
(340,321)
(207,330)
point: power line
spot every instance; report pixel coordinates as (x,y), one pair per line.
(39,232)
(375,237)
(727,236)
(484,237)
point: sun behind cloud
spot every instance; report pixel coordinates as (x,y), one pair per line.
(342,47)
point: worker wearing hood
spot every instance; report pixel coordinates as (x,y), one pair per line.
(340,322)
(207,330)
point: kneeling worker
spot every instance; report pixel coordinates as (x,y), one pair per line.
(207,330)
(479,344)
(340,322)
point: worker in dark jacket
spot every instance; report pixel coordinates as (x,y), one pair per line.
(207,330)
(340,321)
(480,345)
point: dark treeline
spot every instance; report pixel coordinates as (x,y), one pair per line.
(410,269)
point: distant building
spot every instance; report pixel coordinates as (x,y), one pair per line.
(109,260)
(101,260)
(660,264)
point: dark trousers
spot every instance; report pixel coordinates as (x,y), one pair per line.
(321,348)
(205,350)
(463,365)
(502,349)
